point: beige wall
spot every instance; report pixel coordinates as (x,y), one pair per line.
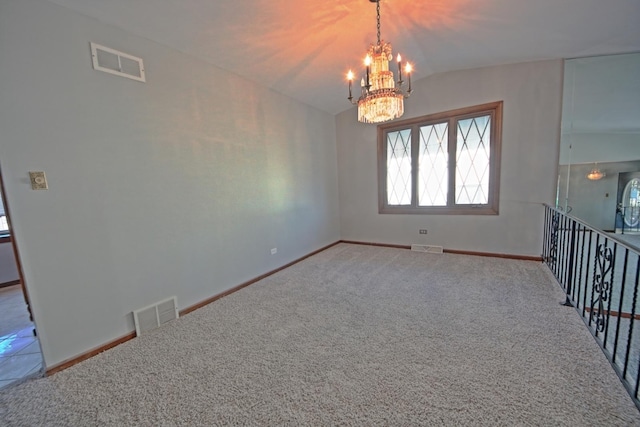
(178,186)
(532,94)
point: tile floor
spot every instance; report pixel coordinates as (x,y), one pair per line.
(20,356)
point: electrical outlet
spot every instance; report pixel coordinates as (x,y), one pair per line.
(423,231)
(274,251)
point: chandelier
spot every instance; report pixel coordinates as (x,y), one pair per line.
(381,98)
(595,173)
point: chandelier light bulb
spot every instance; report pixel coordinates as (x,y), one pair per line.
(408,69)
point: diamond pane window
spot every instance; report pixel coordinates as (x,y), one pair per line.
(472,161)
(399,186)
(443,163)
(433,161)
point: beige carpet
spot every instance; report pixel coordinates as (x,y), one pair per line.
(14,315)
(355,335)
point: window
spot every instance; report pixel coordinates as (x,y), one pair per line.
(445,163)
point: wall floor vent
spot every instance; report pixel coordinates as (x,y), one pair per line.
(155,315)
(119,63)
(427,248)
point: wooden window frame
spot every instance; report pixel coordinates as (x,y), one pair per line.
(494,109)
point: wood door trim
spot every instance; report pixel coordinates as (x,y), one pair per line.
(16,252)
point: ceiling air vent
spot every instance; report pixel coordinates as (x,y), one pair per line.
(118,63)
(155,315)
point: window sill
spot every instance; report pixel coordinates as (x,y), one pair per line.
(444,210)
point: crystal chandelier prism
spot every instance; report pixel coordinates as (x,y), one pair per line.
(381,97)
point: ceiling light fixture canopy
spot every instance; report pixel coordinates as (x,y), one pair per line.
(596,173)
(381,98)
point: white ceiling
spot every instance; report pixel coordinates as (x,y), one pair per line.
(304,49)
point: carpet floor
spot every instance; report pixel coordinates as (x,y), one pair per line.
(355,335)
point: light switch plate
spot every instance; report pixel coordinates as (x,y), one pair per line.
(38,181)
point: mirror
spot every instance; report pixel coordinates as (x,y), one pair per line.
(600,139)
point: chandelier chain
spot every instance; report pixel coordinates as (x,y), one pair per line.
(378,18)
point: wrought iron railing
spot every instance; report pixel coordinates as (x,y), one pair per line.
(599,274)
